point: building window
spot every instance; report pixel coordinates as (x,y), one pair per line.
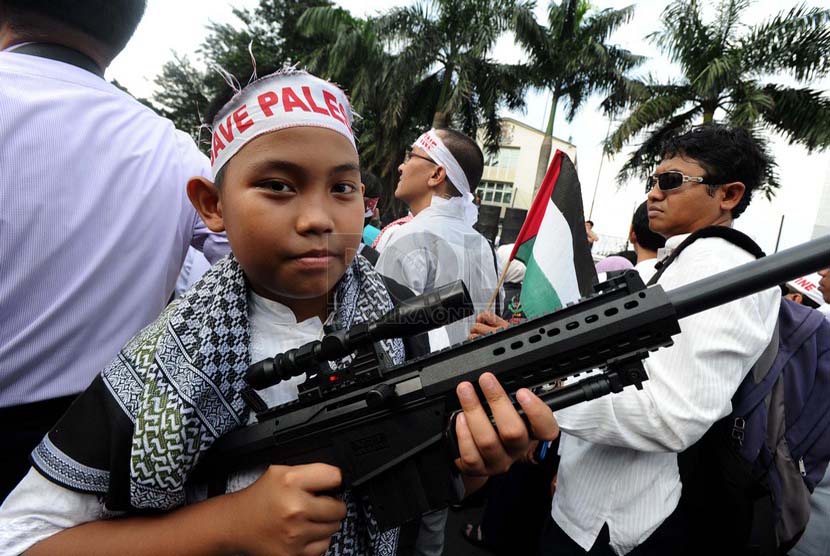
(496,193)
(505,157)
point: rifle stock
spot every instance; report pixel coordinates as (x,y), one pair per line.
(390,428)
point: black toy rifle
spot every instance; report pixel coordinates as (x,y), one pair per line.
(390,428)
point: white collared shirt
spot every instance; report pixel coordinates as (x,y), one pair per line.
(436,248)
(94,223)
(619,452)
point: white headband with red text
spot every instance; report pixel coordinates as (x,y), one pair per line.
(441,155)
(439,152)
(278,101)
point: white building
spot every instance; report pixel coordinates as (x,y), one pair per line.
(509,174)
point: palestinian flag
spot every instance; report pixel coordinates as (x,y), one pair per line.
(553,244)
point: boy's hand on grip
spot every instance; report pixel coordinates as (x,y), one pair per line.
(283,512)
(486,450)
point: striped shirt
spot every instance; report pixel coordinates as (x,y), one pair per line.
(94,223)
(619,461)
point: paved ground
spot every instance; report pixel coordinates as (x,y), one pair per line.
(455,545)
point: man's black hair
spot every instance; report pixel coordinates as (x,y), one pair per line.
(727,154)
(645,237)
(110,22)
(591,222)
(372,184)
(806,300)
(467,153)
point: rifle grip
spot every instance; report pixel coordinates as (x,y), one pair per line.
(452,437)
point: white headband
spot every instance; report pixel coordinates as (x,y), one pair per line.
(288,98)
(439,152)
(442,156)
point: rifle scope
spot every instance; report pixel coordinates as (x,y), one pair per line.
(420,314)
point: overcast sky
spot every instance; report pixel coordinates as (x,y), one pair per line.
(180,26)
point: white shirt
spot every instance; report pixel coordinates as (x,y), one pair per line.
(38,508)
(94,223)
(619,461)
(193,268)
(436,248)
(646,268)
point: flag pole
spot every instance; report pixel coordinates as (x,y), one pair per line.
(498,287)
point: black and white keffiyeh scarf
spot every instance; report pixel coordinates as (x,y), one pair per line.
(176,387)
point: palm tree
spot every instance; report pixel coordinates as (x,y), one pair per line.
(449,42)
(184,91)
(571,58)
(393,105)
(413,67)
(727,69)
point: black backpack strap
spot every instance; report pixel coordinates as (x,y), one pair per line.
(731,235)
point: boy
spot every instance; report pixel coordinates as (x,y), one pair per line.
(292,213)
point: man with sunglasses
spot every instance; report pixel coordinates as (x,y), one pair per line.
(619,486)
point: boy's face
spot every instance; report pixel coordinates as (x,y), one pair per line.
(292,205)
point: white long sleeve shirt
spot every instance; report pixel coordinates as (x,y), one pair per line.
(619,461)
(436,248)
(94,223)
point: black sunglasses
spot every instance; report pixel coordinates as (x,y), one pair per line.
(409,155)
(670,180)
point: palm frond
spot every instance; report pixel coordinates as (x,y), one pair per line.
(719,74)
(801,115)
(602,25)
(747,104)
(647,155)
(658,108)
(685,38)
(797,42)
(729,15)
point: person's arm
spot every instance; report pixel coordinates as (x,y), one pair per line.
(487,323)
(281,513)
(214,245)
(408,263)
(690,384)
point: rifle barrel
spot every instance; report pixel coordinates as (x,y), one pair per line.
(751,278)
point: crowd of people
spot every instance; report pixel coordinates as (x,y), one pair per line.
(143,278)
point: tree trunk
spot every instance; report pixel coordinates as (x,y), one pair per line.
(709,108)
(441,118)
(547,145)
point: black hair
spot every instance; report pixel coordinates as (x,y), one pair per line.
(727,154)
(110,22)
(806,300)
(591,222)
(646,238)
(467,153)
(372,183)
